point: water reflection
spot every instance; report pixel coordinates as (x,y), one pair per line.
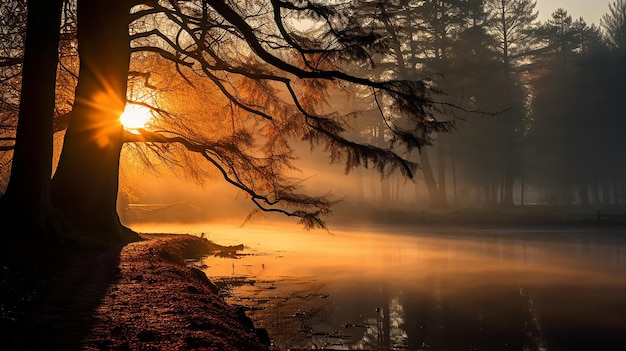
(384,332)
(431,290)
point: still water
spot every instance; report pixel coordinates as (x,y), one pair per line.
(427,289)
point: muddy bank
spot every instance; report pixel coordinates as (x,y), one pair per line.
(138,297)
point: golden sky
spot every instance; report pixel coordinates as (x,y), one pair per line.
(590,10)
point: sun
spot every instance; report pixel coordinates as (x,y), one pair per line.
(135,117)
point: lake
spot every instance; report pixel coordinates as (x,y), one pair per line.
(428,288)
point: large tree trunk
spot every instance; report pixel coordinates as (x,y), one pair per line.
(26,205)
(85,185)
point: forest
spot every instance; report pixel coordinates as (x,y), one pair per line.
(548,129)
(517,111)
(111,110)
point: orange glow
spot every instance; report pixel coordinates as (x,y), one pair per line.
(135,117)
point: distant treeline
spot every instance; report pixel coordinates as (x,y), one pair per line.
(537,106)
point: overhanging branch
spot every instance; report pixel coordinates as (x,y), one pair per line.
(308,208)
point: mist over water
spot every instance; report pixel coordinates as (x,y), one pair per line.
(406,288)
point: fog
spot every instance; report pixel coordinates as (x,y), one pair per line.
(169,197)
(543,142)
(463,288)
(536,133)
(363,195)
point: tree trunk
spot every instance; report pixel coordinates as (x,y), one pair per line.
(522,188)
(441,169)
(26,205)
(455,193)
(606,190)
(494,190)
(508,181)
(615,186)
(85,185)
(360,186)
(584,194)
(595,186)
(384,181)
(429,179)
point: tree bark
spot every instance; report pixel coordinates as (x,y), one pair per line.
(85,185)
(26,206)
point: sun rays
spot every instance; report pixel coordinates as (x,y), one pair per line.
(135,117)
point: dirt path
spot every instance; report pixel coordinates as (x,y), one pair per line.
(139,297)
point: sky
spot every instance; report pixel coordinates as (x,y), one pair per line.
(590,10)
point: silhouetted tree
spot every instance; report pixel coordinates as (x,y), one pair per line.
(576,93)
(441,24)
(513,24)
(421,36)
(12,31)
(274,73)
(26,202)
(477,76)
(614,24)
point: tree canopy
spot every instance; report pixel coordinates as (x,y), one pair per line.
(232,86)
(275,64)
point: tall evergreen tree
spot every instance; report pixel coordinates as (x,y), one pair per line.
(513,23)
(614,24)
(574,61)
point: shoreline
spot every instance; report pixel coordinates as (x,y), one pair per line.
(137,297)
